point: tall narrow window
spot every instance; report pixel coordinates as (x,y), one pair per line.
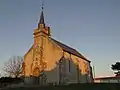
(60,71)
(69,63)
(78,70)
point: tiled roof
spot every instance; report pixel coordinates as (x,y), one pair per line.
(69,49)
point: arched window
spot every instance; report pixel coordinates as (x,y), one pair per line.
(69,62)
(36,72)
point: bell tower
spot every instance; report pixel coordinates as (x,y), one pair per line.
(40,35)
(42,29)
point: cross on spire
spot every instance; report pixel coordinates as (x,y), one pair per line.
(41,21)
(42,5)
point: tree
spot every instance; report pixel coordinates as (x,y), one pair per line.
(116,67)
(14,66)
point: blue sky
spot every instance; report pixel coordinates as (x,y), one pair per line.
(90,26)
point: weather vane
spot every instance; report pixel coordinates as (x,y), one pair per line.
(42,4)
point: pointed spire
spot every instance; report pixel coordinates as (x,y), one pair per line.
(42,18)
(41,21)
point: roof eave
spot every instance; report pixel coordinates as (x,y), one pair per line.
(78,56)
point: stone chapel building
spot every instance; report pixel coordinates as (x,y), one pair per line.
(50,61)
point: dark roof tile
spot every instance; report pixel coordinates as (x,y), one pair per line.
(69,49)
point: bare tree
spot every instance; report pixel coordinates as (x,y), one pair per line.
(14,66)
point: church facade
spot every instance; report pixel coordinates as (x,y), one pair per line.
(50,61)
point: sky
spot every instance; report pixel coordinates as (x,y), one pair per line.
(90,26)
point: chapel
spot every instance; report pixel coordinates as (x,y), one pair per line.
(50,61)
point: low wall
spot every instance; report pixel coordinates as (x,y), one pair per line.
(70,87)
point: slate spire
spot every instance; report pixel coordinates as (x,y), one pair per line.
(41,21)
